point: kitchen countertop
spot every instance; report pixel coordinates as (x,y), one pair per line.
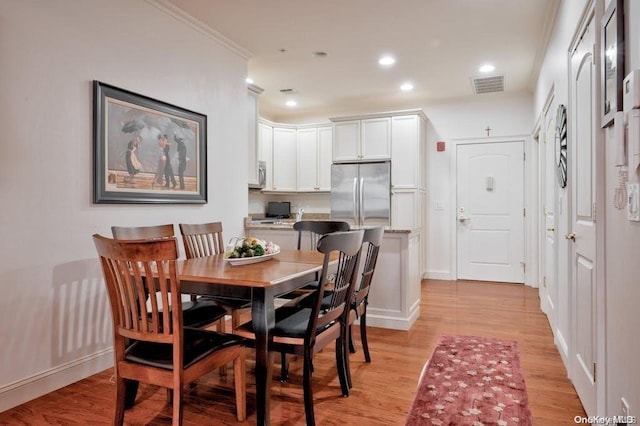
(253,223)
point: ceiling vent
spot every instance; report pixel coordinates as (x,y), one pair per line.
(488,84)
(288,91)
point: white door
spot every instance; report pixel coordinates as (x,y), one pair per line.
(549,290)
(490,209)
(582,158)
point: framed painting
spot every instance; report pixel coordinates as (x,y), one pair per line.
(147,151)
(612,59)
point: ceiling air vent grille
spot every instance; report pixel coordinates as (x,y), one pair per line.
(488,84)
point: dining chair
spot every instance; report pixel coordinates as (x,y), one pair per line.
(197,312)
(206,239)
(316,229)
(371,241)
(305,331)
(151,344)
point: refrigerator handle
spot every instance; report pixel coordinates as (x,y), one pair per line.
(355,203)
(361,193)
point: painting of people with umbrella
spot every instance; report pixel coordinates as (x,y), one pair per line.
(146,151)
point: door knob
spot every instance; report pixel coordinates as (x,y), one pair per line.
(571,237)
(462,218)
(551,229)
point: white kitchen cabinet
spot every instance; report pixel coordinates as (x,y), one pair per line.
(362,140)
(252,133)
(406,141)
(325,157)
(265,151)
(307,159)
(375,140)
(284,159)
(314,159)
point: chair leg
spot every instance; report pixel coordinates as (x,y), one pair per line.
(177,405)
(235,319)
(222,326)
(240,383)
(308,391)
(131,390)
(284,367)
(121,394)
(363,336)
(342,362)
(352,344)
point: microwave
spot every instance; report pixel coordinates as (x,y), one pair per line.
(262,176)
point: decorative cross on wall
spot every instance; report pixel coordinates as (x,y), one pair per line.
(488,129)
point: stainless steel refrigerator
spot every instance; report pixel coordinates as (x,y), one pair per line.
(361,193)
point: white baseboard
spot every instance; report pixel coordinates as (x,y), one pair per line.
(439,275)
(391,320)
(24,390)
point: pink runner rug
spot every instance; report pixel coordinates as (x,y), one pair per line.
(472,381)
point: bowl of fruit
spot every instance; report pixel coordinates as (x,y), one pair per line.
(247,250)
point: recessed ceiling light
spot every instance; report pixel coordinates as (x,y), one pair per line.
(291,103)
(487,68)
(406,87)
(387,61)
(249,80)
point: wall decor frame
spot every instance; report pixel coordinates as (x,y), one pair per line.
(146,151)
(612,60)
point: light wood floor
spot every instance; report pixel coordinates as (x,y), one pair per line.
(382,391)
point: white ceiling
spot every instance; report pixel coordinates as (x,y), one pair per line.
(439,45)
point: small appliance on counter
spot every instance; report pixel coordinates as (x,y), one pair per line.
(279,209)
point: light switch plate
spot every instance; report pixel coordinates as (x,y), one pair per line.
(633,206)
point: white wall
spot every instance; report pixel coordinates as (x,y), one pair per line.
(467,118)
(622,266)
(54,318)
(618,350)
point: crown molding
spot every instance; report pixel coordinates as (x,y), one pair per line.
(170,9)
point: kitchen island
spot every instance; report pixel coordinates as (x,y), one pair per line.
(394,301)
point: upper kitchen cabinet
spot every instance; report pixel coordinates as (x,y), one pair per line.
(265,151)
(408,151)
(367,139)
(284,159)
(314,159)
(252,135)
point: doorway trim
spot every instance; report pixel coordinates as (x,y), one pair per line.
(593,9)
(453,178)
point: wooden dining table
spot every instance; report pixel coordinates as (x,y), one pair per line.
(262,283)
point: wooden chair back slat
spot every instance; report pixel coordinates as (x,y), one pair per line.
(202,239)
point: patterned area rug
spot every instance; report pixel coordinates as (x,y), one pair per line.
(472,381)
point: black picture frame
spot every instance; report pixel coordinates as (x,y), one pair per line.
(612,60)
(140,143)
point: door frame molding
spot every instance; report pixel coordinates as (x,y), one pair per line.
(593,10)
(453,196)
(538,233)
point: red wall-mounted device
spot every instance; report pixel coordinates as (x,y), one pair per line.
(440,146)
